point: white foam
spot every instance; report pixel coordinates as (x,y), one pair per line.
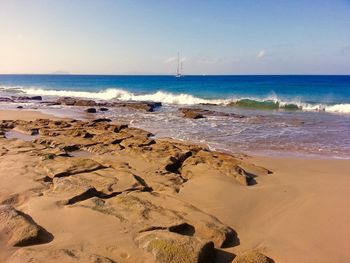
(168,98)
(123,95)
(341,108)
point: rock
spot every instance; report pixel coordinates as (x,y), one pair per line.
(168,247)
(224,163)
(136,142)
(114,138)
(81,133)
(191,113)
(85,103)
(36,98)
(91,110)
(5,99)
(145,210)
(252,256)
(7,124)
(103,109)
(101,120)
(66,101)
(27,98)
(65,166)
(195,113)
(2,135)
(19,107)
(103,183)
(22,229)
(146,106)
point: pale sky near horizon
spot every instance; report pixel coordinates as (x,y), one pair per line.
(143,37)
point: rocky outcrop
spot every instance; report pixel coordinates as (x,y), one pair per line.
(24,98)
(147,212)
(5,99)
(145,106)
(124,175)
(21,228)
(197,113)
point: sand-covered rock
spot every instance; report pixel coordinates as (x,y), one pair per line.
(168,247)
(145,210)
(65,166)
(222,162)
(60,255)
(252,256)
(21,228)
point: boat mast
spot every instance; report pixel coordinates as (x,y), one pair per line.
(178,64)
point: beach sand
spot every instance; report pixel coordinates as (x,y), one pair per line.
(294,210)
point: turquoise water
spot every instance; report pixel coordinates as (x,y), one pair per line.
(290,115)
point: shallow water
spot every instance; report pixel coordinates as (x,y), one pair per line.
(319,128)
(19,135)
(80,153)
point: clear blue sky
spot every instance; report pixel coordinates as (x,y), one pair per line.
(142,37)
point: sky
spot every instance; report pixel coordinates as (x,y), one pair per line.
(143,37)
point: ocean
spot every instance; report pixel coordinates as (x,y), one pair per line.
(307,116)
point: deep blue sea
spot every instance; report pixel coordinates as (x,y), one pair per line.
(309,92)
(291,115)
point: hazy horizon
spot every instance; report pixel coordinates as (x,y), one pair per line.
(138,38)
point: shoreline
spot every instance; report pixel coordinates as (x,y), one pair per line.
(130,110)
(297,212)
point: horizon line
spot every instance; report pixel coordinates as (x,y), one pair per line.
(166,75)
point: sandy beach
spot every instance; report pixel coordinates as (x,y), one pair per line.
(100,191)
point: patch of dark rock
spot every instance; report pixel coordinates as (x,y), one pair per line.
(27,98)
(85,103)
(101,120)
(103,109)
(91,110)
(191,113)
(70,148)
(4,99)
(175,163)
(146,106)
(195,113)
(19,107)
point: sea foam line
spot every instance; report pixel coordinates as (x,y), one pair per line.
(180,99)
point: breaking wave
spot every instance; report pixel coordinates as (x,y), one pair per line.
(183,99)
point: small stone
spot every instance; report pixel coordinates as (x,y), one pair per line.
(91,110)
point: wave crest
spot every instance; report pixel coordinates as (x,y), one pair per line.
(183,99)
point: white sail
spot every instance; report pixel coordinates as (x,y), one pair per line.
(179,66)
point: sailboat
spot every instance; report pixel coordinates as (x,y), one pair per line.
(179,66)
